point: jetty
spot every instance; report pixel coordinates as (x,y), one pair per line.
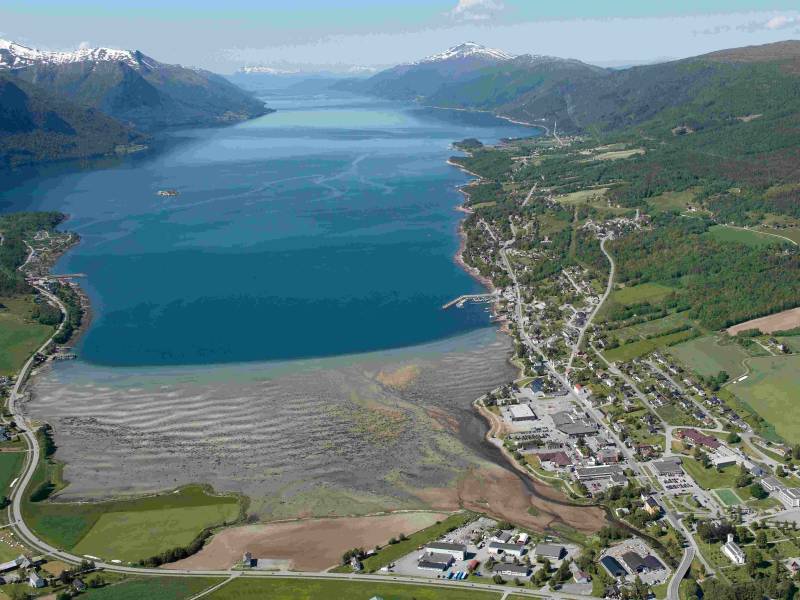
(459,302)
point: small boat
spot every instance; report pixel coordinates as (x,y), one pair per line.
(167,192)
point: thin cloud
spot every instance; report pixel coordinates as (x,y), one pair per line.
(476,10)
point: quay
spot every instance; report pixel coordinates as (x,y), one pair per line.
(459,302)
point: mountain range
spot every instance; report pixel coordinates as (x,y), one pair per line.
(580,97)
(107,97)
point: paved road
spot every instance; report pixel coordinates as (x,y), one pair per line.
(680,573)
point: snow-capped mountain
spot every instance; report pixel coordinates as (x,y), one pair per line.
(129,86)
(17,56)
(264,70)
(466,50)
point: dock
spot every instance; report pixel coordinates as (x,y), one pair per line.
(459,302)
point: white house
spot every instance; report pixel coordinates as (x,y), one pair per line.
(789,496)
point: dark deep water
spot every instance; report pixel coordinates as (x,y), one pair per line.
(324,229)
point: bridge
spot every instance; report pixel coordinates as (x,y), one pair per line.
(459,302)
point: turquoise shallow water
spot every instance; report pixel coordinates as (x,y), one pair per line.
(324,229)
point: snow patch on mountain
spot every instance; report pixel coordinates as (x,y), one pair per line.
(17,56)
(467,49)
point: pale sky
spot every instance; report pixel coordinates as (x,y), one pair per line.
(337,34)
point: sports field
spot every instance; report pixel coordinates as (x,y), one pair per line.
(728,497)
(130,530)
(707,356)
(305,589)
(19,336)
(771,390)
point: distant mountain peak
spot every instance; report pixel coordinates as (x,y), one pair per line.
(17,56)
(465,50)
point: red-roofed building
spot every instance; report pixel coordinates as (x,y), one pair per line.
(560,459)
(698,438)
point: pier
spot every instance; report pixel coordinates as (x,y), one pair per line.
(459,302)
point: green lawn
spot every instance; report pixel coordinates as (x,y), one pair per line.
(710,354)
(152,588)
(771,390)
(306,589)
(19,336)
(130,529)
(10,465)
(728,497)
(710,479)
(392,552)
(723,233)
(672,201)
(130,536)
(627,352)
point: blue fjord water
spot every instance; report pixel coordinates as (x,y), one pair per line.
(326,228)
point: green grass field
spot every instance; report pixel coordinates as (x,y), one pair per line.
(728,497)
(152,588)
(671,201)
(707,356)
(644,292)
(19,336)
(10,465)
(710,479)
(723,233)
(130,529)
(305,589)
(627,352)
(130,536)
(654,327)
(771,391)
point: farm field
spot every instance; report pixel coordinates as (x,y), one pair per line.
(654,327)
(723,233)
(793,233)
(787,319)
(771,391)
(141,527)
(304,589)
(19,336)
(627,352)
(644,292)
(707,356)
(152,588)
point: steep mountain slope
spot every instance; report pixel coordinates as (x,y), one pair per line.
(132,87)
(685,94)
(36,126)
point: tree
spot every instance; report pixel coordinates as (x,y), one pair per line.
(761,539)
(758,491)
(734,438)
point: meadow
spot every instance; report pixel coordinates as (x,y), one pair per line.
(131,529)
(10,465)
(19,335)
(771,390)
(710,354)
(305,589)
(627,352)
(723,233)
